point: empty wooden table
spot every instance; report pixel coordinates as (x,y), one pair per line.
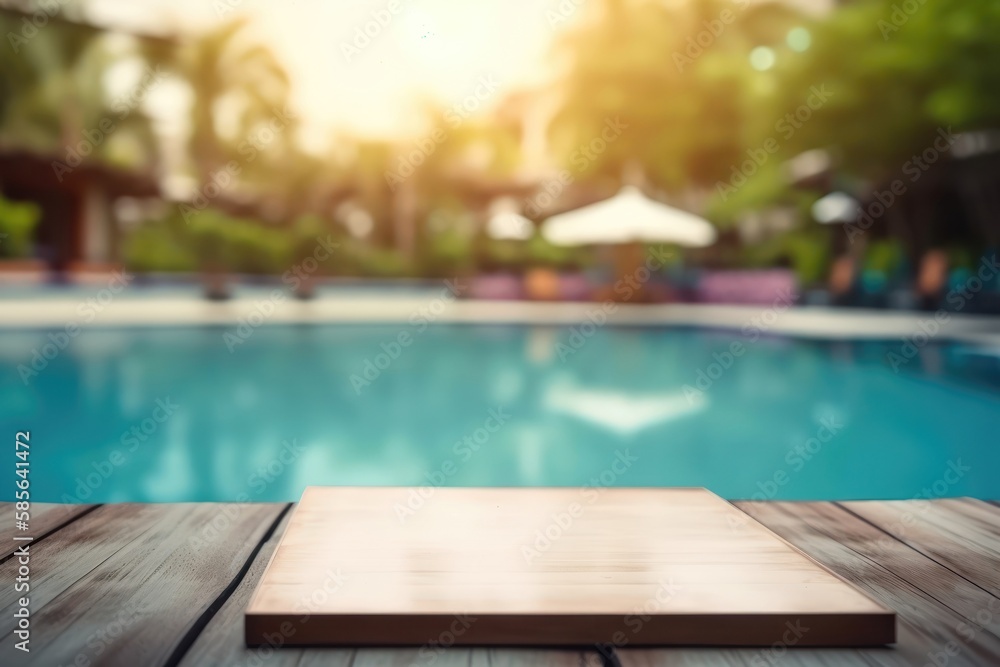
(553,566)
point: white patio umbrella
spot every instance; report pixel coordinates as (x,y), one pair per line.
(628,217)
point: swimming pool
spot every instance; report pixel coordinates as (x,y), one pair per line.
(171,414)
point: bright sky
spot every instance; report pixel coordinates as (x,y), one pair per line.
(426,49)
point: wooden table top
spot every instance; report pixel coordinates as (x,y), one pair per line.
(548,566)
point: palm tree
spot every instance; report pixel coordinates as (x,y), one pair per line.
(51,91)
(46,87)
(222,67)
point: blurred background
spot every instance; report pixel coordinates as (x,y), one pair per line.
(850,146)
(788,212)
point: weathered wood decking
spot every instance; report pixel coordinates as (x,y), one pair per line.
(167,585)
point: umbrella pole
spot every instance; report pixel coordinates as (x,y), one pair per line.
(629,257)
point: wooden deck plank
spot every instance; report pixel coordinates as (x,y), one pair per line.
(462,657)
(961,534)
(689,657)
(43,518)
(222,640)
(747,657)
(456,656)
(68,555)
(926,626)
(523,657)
(135,604)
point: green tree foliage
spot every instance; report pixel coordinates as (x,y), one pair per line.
(677,75)
(897,72)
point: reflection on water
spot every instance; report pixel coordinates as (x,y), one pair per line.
(282,412)
(619,411)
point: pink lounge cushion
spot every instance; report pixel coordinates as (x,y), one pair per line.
(747,287)
(496,286)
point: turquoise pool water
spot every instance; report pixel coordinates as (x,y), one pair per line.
(172,415)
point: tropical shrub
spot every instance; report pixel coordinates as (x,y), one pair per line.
(17,225)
